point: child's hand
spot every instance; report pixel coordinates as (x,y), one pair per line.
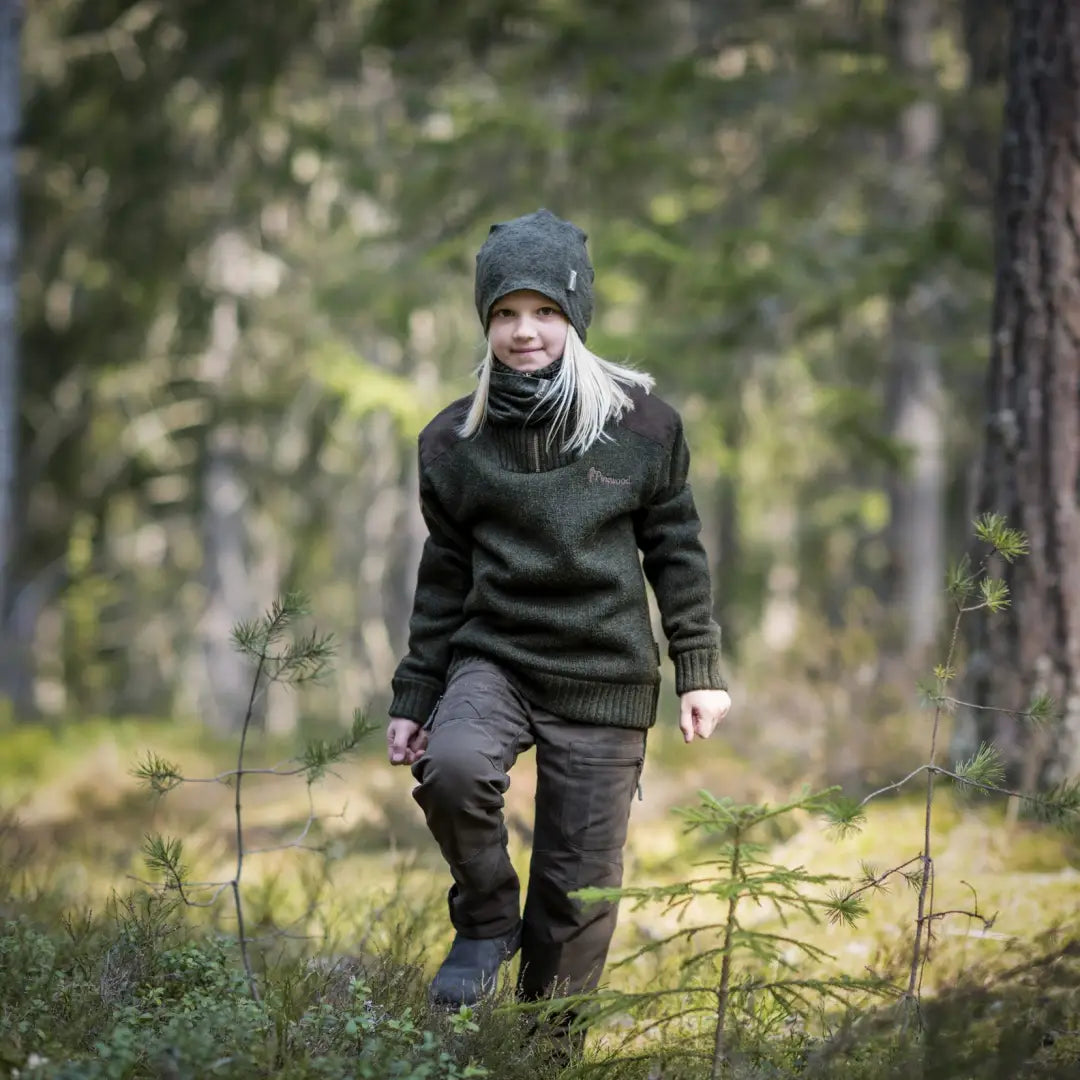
(700,711)
(406,740)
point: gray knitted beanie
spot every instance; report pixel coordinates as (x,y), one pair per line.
(541,252)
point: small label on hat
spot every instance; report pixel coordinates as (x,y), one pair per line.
(573,281)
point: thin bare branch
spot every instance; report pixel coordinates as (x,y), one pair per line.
(228,774)
(1019,713)
(893,787)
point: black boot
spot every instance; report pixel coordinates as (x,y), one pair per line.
(471,969)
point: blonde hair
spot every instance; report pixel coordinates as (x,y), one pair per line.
(585,393)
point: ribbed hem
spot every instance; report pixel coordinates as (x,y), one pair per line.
(698,670)
(413,700)
(589,701)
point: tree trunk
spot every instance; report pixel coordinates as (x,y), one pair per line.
(1030,464)
(914,394)
(10,25)
(226,680)
(986,33)
(986,36)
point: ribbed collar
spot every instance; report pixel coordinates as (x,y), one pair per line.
(519,399)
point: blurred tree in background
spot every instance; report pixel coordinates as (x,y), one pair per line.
(10,27)
(246,282)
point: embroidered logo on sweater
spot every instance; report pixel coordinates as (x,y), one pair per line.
(597,477)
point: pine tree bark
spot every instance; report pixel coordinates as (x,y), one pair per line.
(1030,465)
(914,393)
(10,26)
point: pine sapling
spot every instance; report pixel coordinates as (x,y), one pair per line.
(970,591)
(277,658)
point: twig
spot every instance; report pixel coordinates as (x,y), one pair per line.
(918,960)
(179,886)
(222,777)
(879,879)
(987,923)
(298,844)
(928,925)
(253,986)
(899,784)
(1021,713)
(723,991)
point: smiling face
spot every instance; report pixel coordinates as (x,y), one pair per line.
(527,331)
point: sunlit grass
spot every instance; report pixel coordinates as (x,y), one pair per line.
(85,816)
(77,817)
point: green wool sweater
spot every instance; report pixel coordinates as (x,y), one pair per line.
(532,560)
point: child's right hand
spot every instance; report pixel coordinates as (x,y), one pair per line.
(406,740)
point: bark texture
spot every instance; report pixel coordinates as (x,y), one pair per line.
(1031,458)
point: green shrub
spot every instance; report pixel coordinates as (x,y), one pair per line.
(140,993)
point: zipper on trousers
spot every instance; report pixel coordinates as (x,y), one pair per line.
(426,726)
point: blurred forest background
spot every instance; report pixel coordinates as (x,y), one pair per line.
(244,273)
(237,243)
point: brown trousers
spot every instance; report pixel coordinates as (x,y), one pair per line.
(586,779)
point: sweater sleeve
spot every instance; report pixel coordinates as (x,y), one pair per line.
(442,583)
(677,568)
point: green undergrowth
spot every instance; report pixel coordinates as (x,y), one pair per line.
(348,935)
(137,991)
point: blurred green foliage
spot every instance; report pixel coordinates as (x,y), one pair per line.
(326,174)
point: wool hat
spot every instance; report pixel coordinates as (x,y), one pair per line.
(541,252)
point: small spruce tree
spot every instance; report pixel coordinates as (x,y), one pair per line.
(736,971)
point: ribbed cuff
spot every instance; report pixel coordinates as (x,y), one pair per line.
(698,670)
(413,700)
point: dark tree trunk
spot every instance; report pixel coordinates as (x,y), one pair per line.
(10,650)
(986,42)
(986,34)
(1031,458)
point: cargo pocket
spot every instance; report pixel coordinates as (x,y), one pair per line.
(599,791)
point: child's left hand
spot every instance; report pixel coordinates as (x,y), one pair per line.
(700,711)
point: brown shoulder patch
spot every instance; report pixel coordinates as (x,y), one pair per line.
(652,417)
(441,431)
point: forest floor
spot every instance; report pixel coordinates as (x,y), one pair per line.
(75,803)
(100,982)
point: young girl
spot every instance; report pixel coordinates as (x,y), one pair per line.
(530,625)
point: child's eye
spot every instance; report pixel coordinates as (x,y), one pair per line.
(547,312)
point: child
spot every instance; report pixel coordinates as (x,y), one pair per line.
(530,624)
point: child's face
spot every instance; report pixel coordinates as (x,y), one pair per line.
(527,330)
